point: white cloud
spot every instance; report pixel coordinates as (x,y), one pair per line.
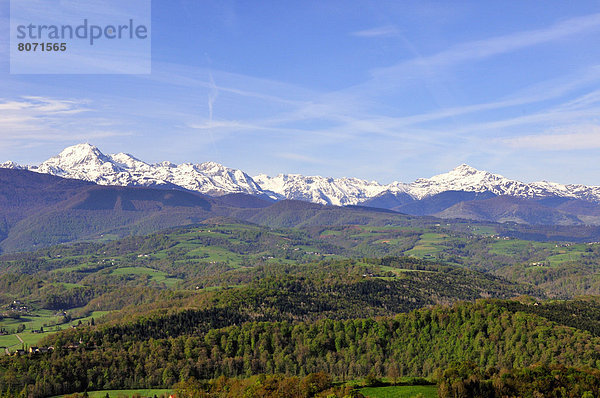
(581,138)
(267,90)
(381,31)
(35,113)
(493,46)
(220,124)
(299,157)
(51,119)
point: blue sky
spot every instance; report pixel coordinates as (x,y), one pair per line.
(380,90)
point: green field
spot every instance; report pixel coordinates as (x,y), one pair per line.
(13,343)
(331,232)
(483,230)
(10,341)
(216,254)
(399,271)
(399,391)
(31,321)
(155,275)
(429,244)
(127,393)
(512,247)
(572,254)
(554,254)
(35,321)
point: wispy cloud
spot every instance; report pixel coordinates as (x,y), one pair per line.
(237,84)
(481,49)
(212,97)
(355,111)
(346,122)
(299,157)
(36,113)
(580,138)
(380,31)
(221,124)
(51,119)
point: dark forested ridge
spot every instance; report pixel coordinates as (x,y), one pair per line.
(422,342)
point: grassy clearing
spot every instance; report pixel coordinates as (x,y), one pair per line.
(155,275)
(559,259)
(37,320)
(399,391)
(94,314)
(390,241)
(514,246)
(31,321)
(556,254)
(400,271)
(11,341)
(127,393)
(567,254)
(422,251)
(215,253)
(330,232)
(105,238)
(428,245)
(484,230)
(31,339)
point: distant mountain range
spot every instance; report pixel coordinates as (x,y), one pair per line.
(39,210)
(463,192)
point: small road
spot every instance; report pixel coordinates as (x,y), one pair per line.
(20,339)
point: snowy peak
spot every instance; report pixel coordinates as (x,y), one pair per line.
(464,170)
(209,177)
(10,165)
(461,175)
(461,178)
(87,162)
(81,155)
(128,161)
(469,179)
(459,172)
(323,190)
(83,162)
(350,191)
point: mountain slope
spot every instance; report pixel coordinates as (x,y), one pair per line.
(86,162)
(509,209)
(439,202)
(38,210)
(22,192)
(388,200)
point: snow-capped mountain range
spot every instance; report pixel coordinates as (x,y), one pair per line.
(87,162)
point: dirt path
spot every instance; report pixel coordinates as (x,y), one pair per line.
(20,339)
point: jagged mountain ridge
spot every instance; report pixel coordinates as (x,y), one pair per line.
(87,162)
